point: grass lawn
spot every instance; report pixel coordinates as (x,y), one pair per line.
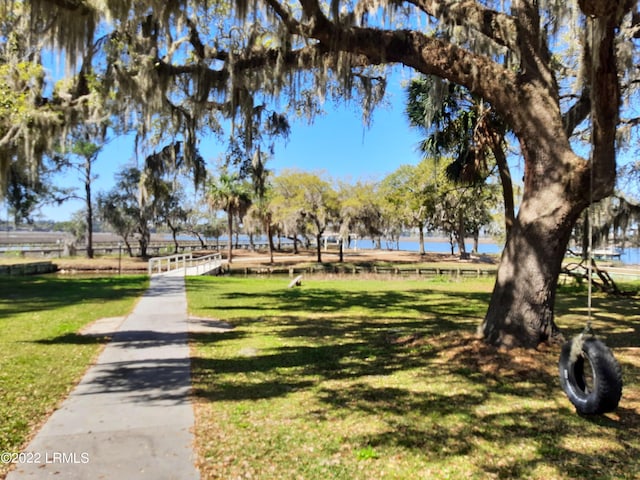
(41,356)
(366,378)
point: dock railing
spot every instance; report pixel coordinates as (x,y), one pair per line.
(184,264)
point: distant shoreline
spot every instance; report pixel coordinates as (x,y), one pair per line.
(23,236)
(415,239)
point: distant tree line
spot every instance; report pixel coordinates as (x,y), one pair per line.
(302,207)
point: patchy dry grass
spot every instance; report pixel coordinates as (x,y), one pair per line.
(374,379)
(100,263)
(41,355)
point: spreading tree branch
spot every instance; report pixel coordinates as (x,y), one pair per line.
(497,26)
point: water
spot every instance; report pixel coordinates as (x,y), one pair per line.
(630,256)
(433,246)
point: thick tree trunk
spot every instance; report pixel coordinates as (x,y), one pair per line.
(557,189)
(521,311)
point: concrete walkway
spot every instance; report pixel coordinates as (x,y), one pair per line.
(130,417)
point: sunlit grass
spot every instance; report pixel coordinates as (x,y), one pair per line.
(41,356)
(358,378)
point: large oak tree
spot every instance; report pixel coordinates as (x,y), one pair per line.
(181,64)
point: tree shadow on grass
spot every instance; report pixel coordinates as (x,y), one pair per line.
(141,339)
(459,417)
(349,345)
(316,312)
(471,423)
(615,318)
(503,412)
(328,300)
(75,339)
(287,369)
(41,293)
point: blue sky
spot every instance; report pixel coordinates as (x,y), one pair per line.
(337,143)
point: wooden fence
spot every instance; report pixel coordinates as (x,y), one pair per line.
(428,272)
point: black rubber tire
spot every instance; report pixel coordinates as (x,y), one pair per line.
(605,390)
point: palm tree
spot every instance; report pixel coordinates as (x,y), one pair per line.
(260,178)
(464,126)
(229,194)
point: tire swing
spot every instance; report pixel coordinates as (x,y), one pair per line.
(589,373)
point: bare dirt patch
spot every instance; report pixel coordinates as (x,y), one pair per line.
(255,258)
(518,364)
(101,264)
